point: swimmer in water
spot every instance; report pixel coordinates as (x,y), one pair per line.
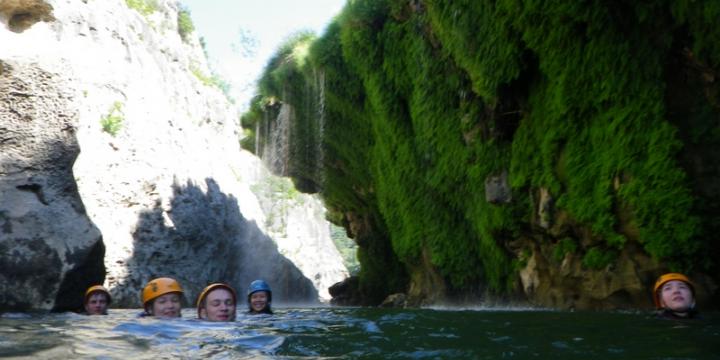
(674,296)
(259,297)
(96,301)
(217,303)
(162,297)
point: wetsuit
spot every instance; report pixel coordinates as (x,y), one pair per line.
(677,315)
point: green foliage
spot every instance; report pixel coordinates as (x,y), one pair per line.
(212,80)
(281,189)
(701,18)
(112,122)
(521,261)
(247,141)
(606,79)
(347,249)
(206,80)
(491,55)
(423,169)
(249,121)
(422,102)
(185,24)
(284,69)
(203,45)
(144,7)
(564,247)
(596,258)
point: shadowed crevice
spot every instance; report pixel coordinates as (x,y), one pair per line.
(200,238)
(89,270)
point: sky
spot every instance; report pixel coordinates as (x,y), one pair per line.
(267,22)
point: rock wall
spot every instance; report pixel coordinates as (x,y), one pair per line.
(49,248)
(160,170)
(560,155)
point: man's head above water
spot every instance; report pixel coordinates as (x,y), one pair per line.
(97,300)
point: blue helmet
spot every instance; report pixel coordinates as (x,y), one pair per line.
(259,285)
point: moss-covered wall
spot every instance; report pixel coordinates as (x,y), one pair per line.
(609,108)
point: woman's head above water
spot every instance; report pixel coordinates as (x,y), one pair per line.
(217,303)
(162,297)
(674,292)
(259,297)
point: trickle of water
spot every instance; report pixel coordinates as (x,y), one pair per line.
(258,130)
(276,152)
(320,118)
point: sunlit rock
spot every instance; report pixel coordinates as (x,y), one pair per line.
(160,170)
(50,251)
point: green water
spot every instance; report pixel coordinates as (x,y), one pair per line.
(350,333)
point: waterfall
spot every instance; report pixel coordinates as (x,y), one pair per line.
(258,128)
(320,118)
(289,140)
(276,151)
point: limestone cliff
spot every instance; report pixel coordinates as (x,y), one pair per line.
(49,248)
(556,153)
(111,125)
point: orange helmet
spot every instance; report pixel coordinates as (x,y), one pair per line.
(95,289)
(158,287)
(669,277)
(210,288)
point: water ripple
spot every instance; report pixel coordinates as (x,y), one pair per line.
(350,333)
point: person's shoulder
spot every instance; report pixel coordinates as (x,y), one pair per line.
(672,315)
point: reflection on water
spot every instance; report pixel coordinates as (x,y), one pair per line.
(350,333)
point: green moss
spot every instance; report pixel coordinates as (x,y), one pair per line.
(564,247)
(347,248)
(185,24)
(144,7)
(596,258)
(411,106)
(213,80)
(701,19)
(250,121)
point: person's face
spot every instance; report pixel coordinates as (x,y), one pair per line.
(258,301)
(96,304)
(219,306)
(167,306)
(676,296)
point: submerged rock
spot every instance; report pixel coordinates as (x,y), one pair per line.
(398,300)
(346,292)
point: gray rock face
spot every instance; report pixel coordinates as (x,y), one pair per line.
(497,189)
(49,248)
(160,170)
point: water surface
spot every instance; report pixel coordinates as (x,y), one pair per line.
(351,333)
